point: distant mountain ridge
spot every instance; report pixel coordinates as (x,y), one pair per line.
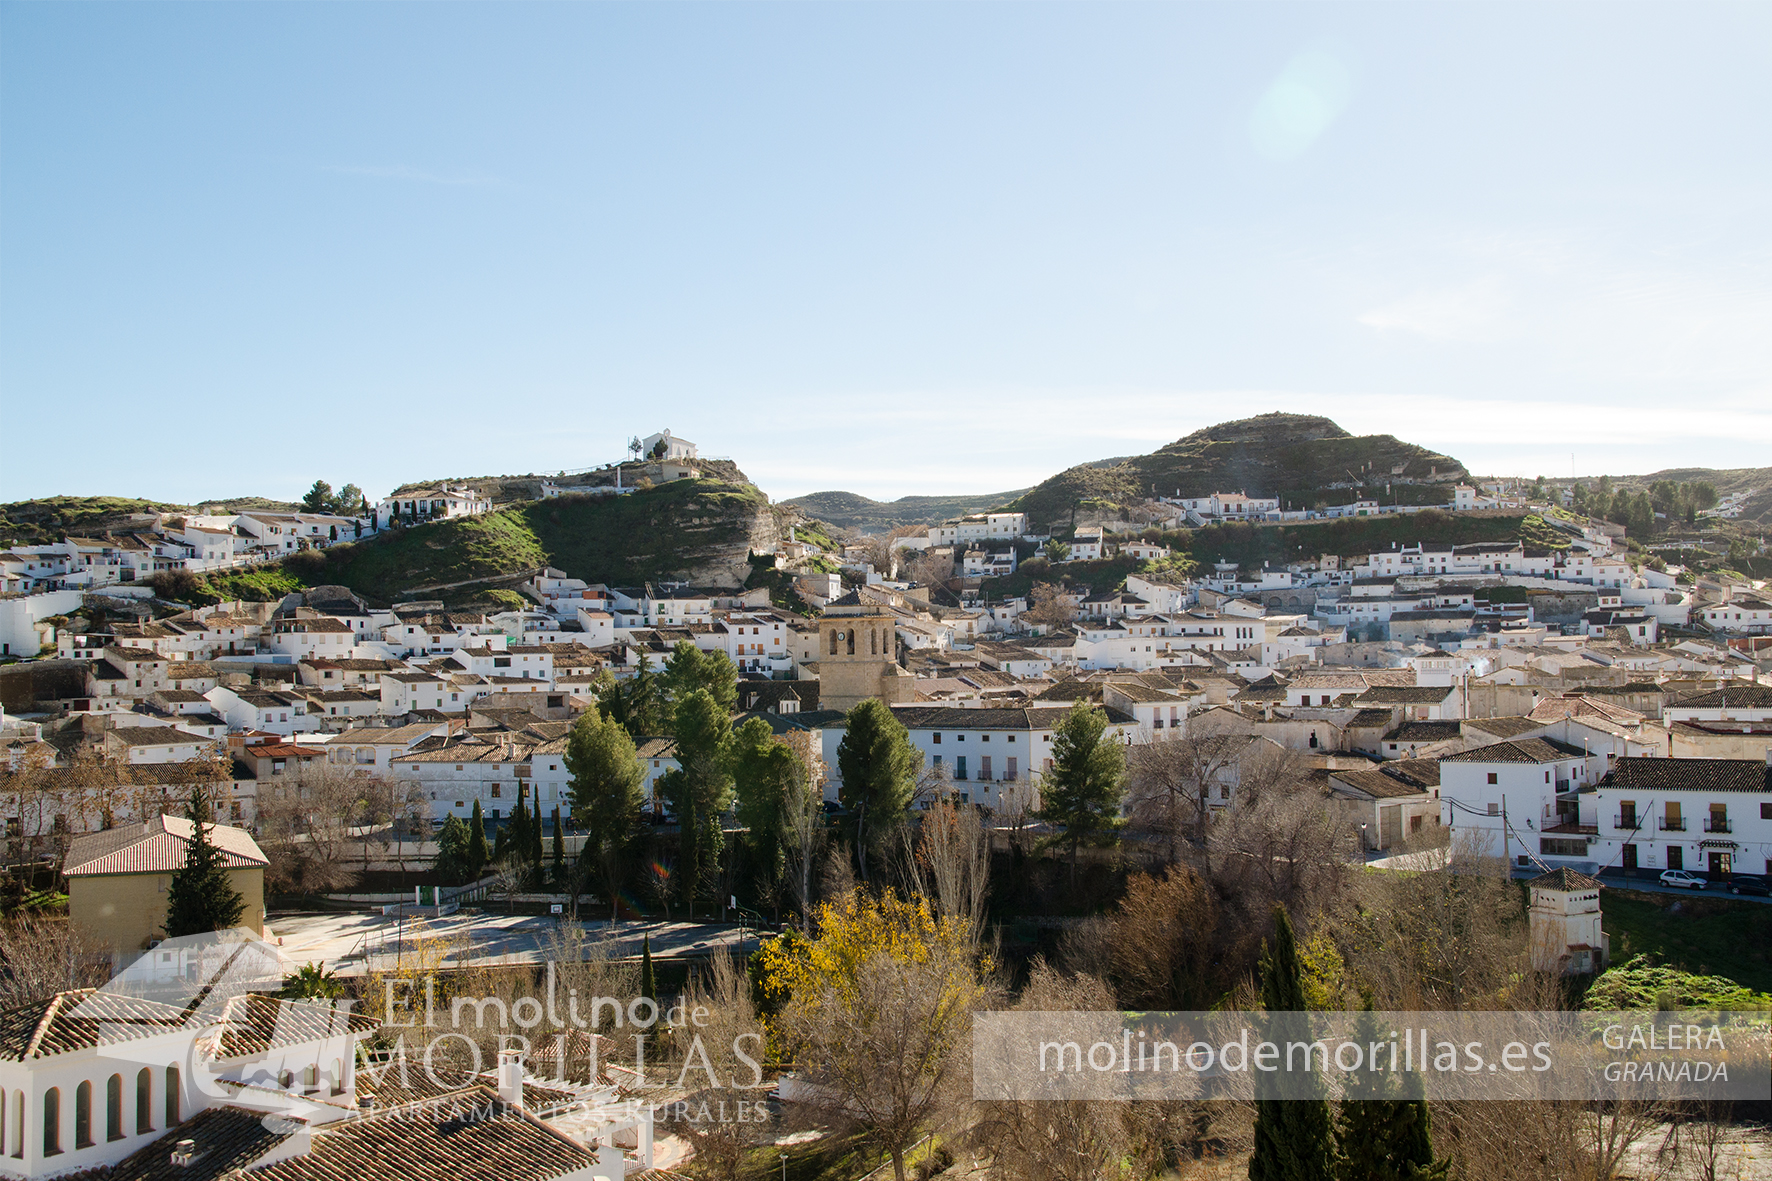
(849,510)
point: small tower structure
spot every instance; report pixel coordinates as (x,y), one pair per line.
(1565,924)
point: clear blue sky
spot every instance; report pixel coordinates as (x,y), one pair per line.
(894,248)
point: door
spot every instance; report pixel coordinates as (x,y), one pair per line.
(1390,826)
(1719,864)
(1676,857)
(1630,858)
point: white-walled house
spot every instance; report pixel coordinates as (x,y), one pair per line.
(1747,615)
(270,710)
(431,504)
(1528,800)
(1086,544)
(1706,816)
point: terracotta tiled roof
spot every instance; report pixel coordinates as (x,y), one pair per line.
(471,1136)
(1564,878)
(224,1139)
(156,846)
(257,1023)
(80,1020)
(1525,750)
(1710,775)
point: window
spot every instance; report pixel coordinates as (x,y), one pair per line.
(114,1107)
(937,738)
(1766,811)
(144,1101)
(1492,777)
(172,1096)
(52,1122)
(960,767)
(1494,809)
(83,1115)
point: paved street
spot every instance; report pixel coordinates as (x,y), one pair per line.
(342,941)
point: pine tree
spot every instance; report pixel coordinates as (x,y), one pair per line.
(700,789)
(478,853)
(606,797)
(1294,1136)
(879,769)
(453,861)
(200,898)
(1082,791)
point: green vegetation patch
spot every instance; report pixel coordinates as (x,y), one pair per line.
(1702,936)
(1641,983)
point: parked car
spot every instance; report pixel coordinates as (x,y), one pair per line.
(1680,879)
(1755,886)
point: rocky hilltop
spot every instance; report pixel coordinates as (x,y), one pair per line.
(1303,459)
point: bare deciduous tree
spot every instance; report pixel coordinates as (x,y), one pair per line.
(804,827)
(305,820)
(708,1054)
(949,862)
(41,955)
(1047,606)
(1061,1140)
(889,1048)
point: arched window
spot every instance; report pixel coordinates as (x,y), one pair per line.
(114,1107)
(52,1121)
(18,1123)
(172,1097)
(338,1077)
(3,1112)
(144,1101)
(310,1076)
(83,1115)
(851,634)
(834,635)
(873,641)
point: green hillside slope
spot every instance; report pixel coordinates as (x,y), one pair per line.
(699,530)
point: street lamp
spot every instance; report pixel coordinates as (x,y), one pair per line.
(784,1166)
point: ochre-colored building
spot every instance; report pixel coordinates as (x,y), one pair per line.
(118,878)
(858,656)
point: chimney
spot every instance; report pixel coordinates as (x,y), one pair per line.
(510,1078)
(183,1153)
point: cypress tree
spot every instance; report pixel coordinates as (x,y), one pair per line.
(200,898)
(1294,1137)
(478,853)
(535,846)
(559,847)
(648,975)
(1380,1134)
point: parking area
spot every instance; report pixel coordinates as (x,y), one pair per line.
(347,943)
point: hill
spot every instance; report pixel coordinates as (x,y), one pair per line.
(1305,460)
(847,510)
(37,522)
(701,531)
(1754,480)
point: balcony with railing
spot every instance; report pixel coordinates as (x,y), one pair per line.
(1673,824)
(1627,820)
(1717,824)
